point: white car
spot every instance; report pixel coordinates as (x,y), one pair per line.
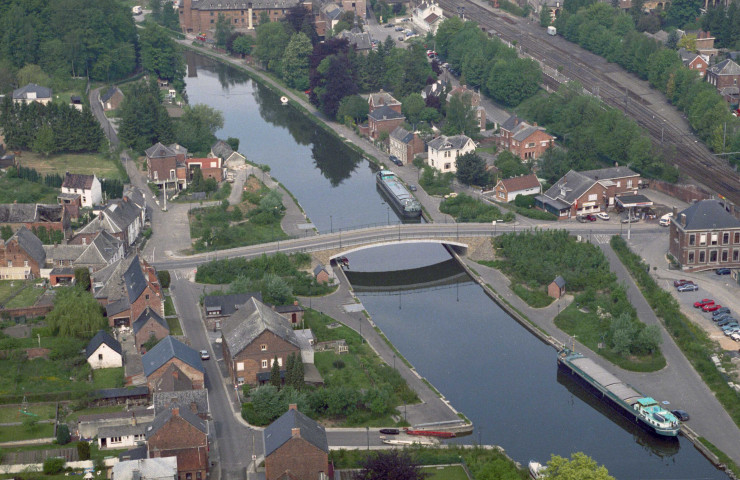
(735,336)
(603,215)
(204,355)
(665,220)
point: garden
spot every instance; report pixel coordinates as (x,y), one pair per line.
(465,208)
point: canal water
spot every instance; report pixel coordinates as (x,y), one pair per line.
(333,183)
(489,367)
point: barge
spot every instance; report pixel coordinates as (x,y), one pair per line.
(400,197)
(645,410)
(429,433)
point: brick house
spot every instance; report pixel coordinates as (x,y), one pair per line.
(112,98)
(32,93)
(591,191)
(359,7)
(22,256)
(87,186)
(149,324)
(508,189)
(194,400)
(201,15)
(219,307)
(442,152)
(252,338)
(524,140)
(172,352)
(292,313)
(321,274)
(32,216)
(694,61)
(296,447)
(123,219)
(405,145)
(104,351)
(556,288)
(177,432)
(724,74)
(383,99)
(383,119)
(705,236)
(165,165)
(474,98)
(209,167)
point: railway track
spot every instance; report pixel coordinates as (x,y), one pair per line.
(679,145)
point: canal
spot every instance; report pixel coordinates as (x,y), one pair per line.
(489,367)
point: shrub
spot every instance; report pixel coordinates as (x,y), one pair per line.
(52,466)
(164,278)
(83,450)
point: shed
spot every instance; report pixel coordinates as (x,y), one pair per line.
(321,274)
(556,289)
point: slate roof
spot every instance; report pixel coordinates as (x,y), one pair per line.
(523,131)
(725,67)
(168,349)
(688,57)
(22,93)
(610,173)
(707,215)
(162,418)
(109,93)
(559,281)
(240,5)
(443,142)
(115,218)
(435,89)
(159,151)
(382,98)
(281,430)
(134,280)
(249,322)
(30,212)
(360,40)
(31,244)
(121,392)
(510,123)
(117,306)
(222,149)
(523,182)
(137,453)
(159,468)
(108,281)
(384,113)
(102,337)
(318,269)
(570,187)
(185,398)
(122,430)
(77,180)
(228,303)
(172,380)
(332,11)
(146,315)
(101,251)
(402,135)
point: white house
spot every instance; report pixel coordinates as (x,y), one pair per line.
(507,190)
(104,351)
(442,152)
(32,93)
(427,17)
(122,436)
(87,186)
(160,468)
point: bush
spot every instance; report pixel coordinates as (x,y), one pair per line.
(83,450)
(63,436)
(53,466)
(467,209)
(164,278)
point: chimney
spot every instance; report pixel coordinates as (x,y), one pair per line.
(682,219)
(293,406)
(176,412)
(295,433)
(675,212)
(295,302)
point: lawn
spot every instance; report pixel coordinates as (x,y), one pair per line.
(74,163)
(174,324)
(450,472)
(537,298)
(23,191)
(107,378)
(11,413)
(26,298)
(169,307)
(22,432)
(9,287)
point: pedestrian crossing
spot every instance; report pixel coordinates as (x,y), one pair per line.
(601,238)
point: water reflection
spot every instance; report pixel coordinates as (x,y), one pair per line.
(434,276)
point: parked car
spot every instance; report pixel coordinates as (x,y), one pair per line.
(204,355)
(730,326)
(688,287)
(711,308)
(590,218)
(721,317)
(726,321)
(412,187)
(721,312)
(396,160)
(603,215)
(399,29)
(630,220)
(735,336)
(581,218)
(388,25)
(681,415)
(722,271)
(731,330)
(665,220)
(701,303)
(389,431)
(678,283)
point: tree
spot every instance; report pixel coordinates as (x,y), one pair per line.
(295,61)
(32,74)
(411,106)
(688,42)
(471,169)
(545,18)
(509,165)
(82,278)
(164,278)
(233,143)
(75,314)
(6,232)
(510,82)
(224,29)
(461,117)
(272,39)
(390,464)
(243,45)
(198,126)
(83,450)
(144,120)
(579,467)
(289,366)
(54,465)
(45,142)
(339,83)
(682,12)
(63,436)
(275,380)
(353,106)
(298,375)
(161,56)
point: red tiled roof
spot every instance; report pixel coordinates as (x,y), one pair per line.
(521,183)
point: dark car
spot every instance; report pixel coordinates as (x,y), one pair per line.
(722,271)
(681,415)
(688,287)
(581,218)
(412,187)
(389,431)
(721,317)
(590,218)
(726,321)
(396,160)
(720,312)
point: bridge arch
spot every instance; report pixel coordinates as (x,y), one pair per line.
(459,247)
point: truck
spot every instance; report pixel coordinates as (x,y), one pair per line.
(137,10)
(552,30)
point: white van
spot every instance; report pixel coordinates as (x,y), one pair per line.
(665,220)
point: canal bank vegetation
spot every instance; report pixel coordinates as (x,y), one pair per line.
(465,208)
(601,317)
(359,389)
(690,338)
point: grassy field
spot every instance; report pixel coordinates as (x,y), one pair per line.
(73,163)
(23,191)
(452,472)
(174,324)
(16,433)
(169,307)
(11,413)
(108,378)
(9,287)
(26,298)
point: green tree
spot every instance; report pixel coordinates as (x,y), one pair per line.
(511,82)
(295,61)
(233,143)
(272,39)
(6,232)
(83,450)
(197,127)
(75,314)
(509,165)
(243,45)
(682,12)
(545,18)
(224,29)
(144,120)
(289,366)
(32,74)
(63,436)
(276,290)
(471,169)
(82,278)
(387,464)
(353,106)
(298,373)
(53,466)
(275,380)
(161,56)
(461,117)
(45,142)
(411,106)
(164,278)
(578,467)
(688,42)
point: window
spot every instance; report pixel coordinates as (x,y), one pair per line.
(619,184)
(279,362)
(211,13)
(702,257)
(198,475)
(714,238)
(543,144)
(156,174)
(592,197)
(713,256)
(531,145)
(501,194)
(725,255)
(100,357)
(735,255)
(10,264)
(448,166)
(211,19)
(737,238)
(725,238)
(702,239)
(692,239)
(115,439)
(84,199)
(146,297)
(263,347)
(172,174)
(264,363)
(629,183)
(188,476)
(25,263)
(691,257)
(239,366)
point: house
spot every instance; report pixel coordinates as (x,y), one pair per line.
(442,152)
(321,274)
(724,74)
(32,216)
(104,250)
(293,313)
(179,433)
(383,119)
(32,93)
(295,447)
(22,256)
(330,13)
(705,236)
(556,289)
(122,219)
(404,144)
(148,325)
(201,15)
(122,436)
(209,167)
(383,99)
(146,469)
(169,352)
(358,7)
(474,98)
(104,351)
(427,17)
(165,165)
(694,61)
(524,140)
(705,43)
(508,189)
(87,186)
(111,99)
(435,89)
(253,338)
(127,288)
(591,191)
(88,426)
(358,39)
(218,307)
(194,400)
(229,158)
(75,101)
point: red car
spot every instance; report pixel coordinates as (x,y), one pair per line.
(711,307)
(703,303)
(678,283)
(590,218)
